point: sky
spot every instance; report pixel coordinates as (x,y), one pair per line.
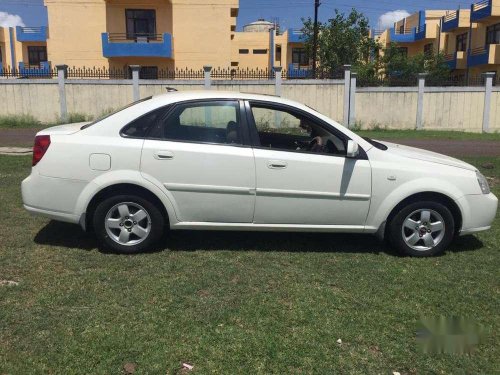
(289,12)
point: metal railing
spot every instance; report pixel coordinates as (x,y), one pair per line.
(97,73)
(28,71)
(32,30)
(134,37)
(451,16)
(480,5)
(478,51)
(449,56)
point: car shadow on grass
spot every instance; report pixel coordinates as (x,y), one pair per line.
(73,237)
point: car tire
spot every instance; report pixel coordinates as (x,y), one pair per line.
(422,229)
(128,224)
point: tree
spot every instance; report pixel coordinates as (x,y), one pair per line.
(341,40)
(396,64)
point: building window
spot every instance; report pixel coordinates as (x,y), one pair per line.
(140,23)
(260,51)
(299,56)
(402,29)
(493,34)
(278,52)
(403,51)
(244,51)
(1,55)
(461,44)
(428,49)
(37,55)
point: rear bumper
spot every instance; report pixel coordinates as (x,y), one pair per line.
(478,212)
(54,198)
(54,215)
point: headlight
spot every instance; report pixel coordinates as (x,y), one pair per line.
(483,183)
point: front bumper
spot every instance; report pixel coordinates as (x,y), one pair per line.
(478,212)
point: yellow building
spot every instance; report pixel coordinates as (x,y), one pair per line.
(23,49)
(468,38)
(155,34)
(417,33)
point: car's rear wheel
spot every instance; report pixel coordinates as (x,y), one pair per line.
(422,229)
(128,224)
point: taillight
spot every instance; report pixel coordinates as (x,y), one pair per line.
(42,143)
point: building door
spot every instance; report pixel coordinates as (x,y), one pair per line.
(141,23)
(37,55)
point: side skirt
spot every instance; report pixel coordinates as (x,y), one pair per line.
(271,227)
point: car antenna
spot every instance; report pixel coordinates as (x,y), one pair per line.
(171,89)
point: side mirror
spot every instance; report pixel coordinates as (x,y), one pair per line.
(352,149)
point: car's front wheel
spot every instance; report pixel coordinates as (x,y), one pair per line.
(422,229)
(128,224)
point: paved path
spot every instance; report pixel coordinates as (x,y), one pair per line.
(24,138)
(17,137)
(20,151)
(452,147)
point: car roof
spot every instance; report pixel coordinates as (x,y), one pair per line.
(177,96)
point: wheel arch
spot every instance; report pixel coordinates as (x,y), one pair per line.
(123,188)
(432,196)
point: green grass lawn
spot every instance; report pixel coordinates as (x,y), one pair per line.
(234,303)
(29,122)
(428,134)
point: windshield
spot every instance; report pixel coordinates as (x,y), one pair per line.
(114,112)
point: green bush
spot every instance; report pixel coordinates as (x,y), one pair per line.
(19,121)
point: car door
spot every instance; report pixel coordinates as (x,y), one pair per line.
(303,174)
(199,151)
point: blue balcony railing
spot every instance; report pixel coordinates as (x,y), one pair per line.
(294,72)
(451,60)
(31,34)
(35,71)
(450,21)
(481,10)
(296,36)
(1,67)
(478,56)
(408,35)
(137,45)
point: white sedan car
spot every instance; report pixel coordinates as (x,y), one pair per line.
(231,161)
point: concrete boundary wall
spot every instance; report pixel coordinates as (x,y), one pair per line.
(475,109)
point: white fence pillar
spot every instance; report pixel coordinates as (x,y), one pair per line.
(135,82)
(278,78)
(207,69)
(420,100)
(62,73)
(352,101)
(488,85)
(347,92)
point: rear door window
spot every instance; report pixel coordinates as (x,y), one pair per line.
(215,122)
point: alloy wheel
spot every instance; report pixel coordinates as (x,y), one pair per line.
(127,223)
(423,229)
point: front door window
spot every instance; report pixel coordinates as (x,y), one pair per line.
(289,131)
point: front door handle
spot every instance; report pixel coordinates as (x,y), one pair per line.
(277,164)
(164,155)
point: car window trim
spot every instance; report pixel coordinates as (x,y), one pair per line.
(254,134)
(165,109)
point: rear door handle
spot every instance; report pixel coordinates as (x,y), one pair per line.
(277,164)
(164,155)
